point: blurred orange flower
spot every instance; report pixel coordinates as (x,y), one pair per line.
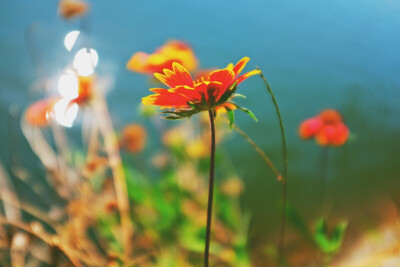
(163,57)
(39,113)
(327,128)
(133,138)
(69,9)
(187,97)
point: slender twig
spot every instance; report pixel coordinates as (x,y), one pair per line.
(285,164)
(31,210)
(111,145)
(45,238)
(210,188)
(62,150)
(259,151)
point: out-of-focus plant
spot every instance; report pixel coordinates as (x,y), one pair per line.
(168,216)
(329,130)
(172,212)
(326,239)
(329,242)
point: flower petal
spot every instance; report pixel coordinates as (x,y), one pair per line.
(330,116)
(342,134)
(186,91)
(310,127)
(177,76)
(209,89)
(247,75)
(240,65)
(165,98)
(224,76)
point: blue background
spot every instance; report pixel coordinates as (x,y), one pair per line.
(315,54)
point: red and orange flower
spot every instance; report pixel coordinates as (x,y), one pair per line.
(163,57)
(187,97)
(327,128)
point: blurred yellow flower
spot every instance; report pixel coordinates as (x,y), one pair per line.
(232,187)
(162,58)
(197,148)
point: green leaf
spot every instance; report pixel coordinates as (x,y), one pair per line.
(329,244)
(192,105)
(320,236)
(299,223)
(231,116)
(192,238)
(182,113)
(247,111)
(173,117)
(337,236)
(338,233)
(240,96)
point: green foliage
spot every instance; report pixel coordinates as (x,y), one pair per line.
(329,243)
(247,111)
(231,116)
(173,216)
(299,223)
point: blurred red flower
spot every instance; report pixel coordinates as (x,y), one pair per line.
(327,128)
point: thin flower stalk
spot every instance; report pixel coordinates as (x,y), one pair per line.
(285,171)
(259,151)
(210,188)
(324,175)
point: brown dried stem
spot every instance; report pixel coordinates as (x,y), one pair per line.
(111,145)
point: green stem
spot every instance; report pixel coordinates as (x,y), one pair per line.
(285,164)
(259,151)
(210,188)
(324,175)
